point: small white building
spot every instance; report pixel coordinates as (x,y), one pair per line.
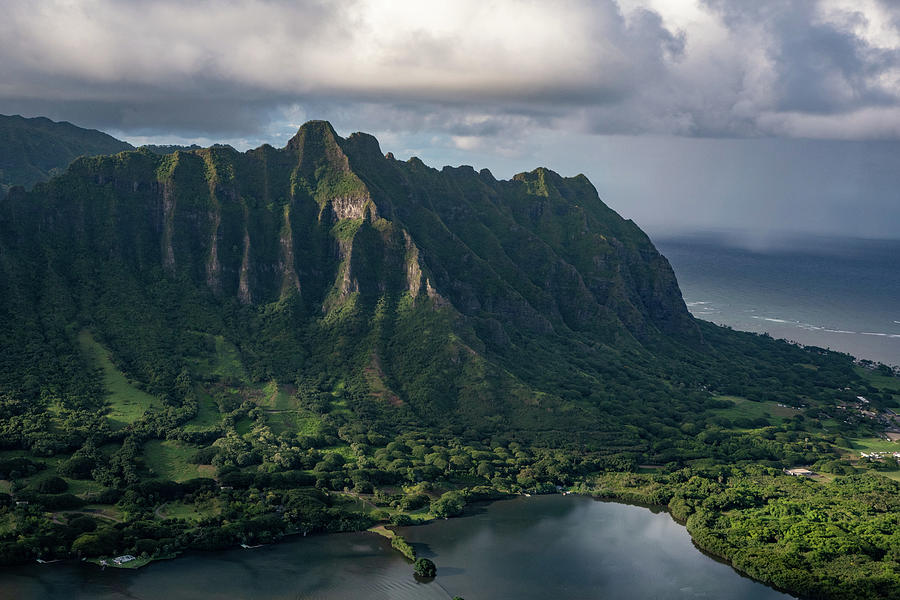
(121,560)
(799,472)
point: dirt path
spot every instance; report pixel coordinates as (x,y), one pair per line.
(87,513)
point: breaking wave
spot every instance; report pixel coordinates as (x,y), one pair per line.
(809,327)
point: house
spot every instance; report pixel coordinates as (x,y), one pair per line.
(799,472)
(121,560)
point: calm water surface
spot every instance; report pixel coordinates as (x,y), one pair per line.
(838,293)
(527,548)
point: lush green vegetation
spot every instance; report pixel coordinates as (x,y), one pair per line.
(819,539)
(212,348)
(424,567)
(32,150)
(127,402)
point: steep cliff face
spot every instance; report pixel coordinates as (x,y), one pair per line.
(541,251)
(444,280)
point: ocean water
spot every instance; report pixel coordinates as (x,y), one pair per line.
(837,293)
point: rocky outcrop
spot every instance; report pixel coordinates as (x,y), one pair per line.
(168,200)
(244,293)
(290,282)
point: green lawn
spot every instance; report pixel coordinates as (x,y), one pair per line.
(747,409)
(189,512)
(895,475)
(872,444)
(169,460)
(127,402)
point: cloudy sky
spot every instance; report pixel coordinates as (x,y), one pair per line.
(766,115)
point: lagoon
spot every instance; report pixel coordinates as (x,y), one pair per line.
(558,546)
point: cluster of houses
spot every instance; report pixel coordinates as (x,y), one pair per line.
(861,408)
(879,455)
(119,560)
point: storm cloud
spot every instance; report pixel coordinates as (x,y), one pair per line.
(464,67)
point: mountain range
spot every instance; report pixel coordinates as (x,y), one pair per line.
(202,325)
(426,286)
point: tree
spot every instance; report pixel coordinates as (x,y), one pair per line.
(52,485)
(449,504)
(424,567)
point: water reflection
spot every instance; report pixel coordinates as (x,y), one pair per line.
(535,548)
(573,547)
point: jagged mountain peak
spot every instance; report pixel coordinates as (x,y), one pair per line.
(312,130)
(335,220)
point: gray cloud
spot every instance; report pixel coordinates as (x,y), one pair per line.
(676,110)
(819,66)
(227,67)
(468,68)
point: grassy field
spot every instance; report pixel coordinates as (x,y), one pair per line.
(224,362)
(189,512)
(882,382)
(895,475)
(299,421)
(872,444)
(127,402)
(284,413)
(747,409)
(103,511)
(82,487)
(208,415)
(169,460)
(276,397)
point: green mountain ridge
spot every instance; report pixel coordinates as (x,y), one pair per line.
(330,231)
(315,322)
(34,149)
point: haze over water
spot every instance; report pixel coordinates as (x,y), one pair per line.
(838,293)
